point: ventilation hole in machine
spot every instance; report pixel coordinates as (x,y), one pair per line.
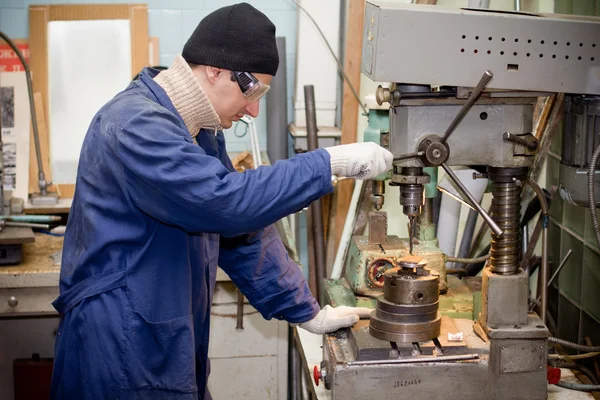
(594,45)
(515,53)
(490,38)
(541,55)
(592,59)
(579,58)
(580,44)
(529,41)
(555,42)
(516,40)
(476,37)
(553,55)
(483,116)
(503,39)
(568,43)
(528,54)
(512,67)
(462,50)
(489,52)
(501,53)
(542,42)
(566,57)
(475,51)
(464,36)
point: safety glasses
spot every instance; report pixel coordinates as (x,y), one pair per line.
(252,88)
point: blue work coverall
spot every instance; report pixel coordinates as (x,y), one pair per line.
(152,217)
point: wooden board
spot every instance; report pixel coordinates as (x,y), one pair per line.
(39,17)
(350,105)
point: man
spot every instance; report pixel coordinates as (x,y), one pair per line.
(154,214)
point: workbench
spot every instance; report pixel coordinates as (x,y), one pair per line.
(310,347)
(28,289)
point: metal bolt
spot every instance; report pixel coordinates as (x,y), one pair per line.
(12,301)
(436,153)
(503,347)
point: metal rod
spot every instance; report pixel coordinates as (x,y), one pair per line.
(418,360)
(36,138)
(509,137)
(316,208)
(409,155)
(26,225)
(472,200)
(240,310)
(562,264)
(485,79)
(544,267)
(31,218)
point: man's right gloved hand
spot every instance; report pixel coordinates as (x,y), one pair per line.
(359,160)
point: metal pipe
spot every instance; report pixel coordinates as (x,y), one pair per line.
(467,260)
(293,372)
(38,152)
(277,111)
(592,193)
(467,238)
(316,207)
(472,201)
(418,360)
(544,268)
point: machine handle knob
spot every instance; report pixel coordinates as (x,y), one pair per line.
(12,301)
(382,95)
(316,375)
(485,79)
(468,197)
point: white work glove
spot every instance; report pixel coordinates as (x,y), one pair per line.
(359,160)
(330,319)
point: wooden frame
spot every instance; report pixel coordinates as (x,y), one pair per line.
(39,16)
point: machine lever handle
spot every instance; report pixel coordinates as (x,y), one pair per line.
(471,200)
(485,79)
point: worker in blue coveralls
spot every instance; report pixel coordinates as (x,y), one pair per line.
(158,206)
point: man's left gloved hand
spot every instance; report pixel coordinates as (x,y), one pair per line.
(330,319)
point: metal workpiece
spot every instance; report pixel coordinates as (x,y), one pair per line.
(478,140)
(405,43)
(507,184)
(408,310)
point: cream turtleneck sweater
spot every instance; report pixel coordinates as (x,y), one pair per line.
(188,97)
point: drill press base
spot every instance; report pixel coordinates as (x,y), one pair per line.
(357,366)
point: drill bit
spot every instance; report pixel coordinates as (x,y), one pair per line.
(411,233)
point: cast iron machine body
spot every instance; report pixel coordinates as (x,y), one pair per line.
(464,86)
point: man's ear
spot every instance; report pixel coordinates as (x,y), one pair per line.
(213,73)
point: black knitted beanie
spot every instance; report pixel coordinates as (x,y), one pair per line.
(237,38)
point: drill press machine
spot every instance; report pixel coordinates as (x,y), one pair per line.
(488,69)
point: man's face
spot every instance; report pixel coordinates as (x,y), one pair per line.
(227,97)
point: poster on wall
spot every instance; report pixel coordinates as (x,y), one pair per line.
(14,121)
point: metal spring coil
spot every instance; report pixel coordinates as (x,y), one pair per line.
(506,209)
